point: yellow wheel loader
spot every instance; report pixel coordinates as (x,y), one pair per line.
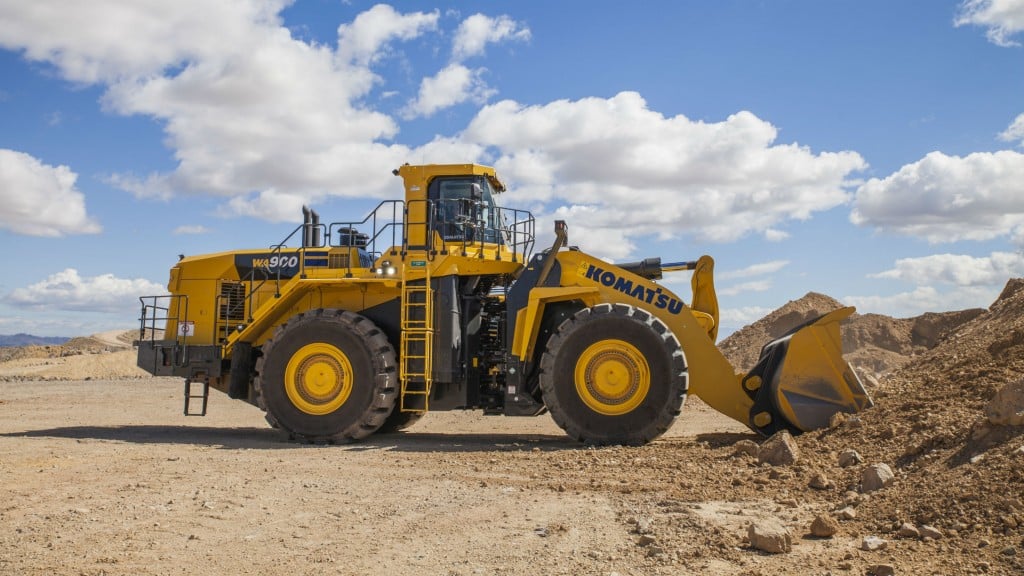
(438,302)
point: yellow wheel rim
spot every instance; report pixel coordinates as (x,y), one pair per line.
(612,377)
(318,379)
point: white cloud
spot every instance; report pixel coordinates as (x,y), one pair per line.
(759,285)
(155,186)
(759,269)
(1014,132)
(237,129)
(970,281)
(457,83)
(269,204)
(246,108)
(362,41)
(773,235)
(925,299)
(67,290)
(38,199)
(752,286)
(958,269)
(1001,18)
(947,198)
(607,242)
(623,167)
(191,229)
(107,40)
(453,85)
(732,319)
(478,30)
(1017,236)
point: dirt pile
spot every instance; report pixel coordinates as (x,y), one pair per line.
(104,355)
(954,470)
(953,495)
(873,343)
(743,347)
(930,423)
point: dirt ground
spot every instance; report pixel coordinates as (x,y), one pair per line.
(108,477)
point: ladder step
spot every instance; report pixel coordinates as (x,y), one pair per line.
(189,396)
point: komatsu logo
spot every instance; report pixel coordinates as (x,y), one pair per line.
(638,291)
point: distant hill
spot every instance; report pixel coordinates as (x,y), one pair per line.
(30,340)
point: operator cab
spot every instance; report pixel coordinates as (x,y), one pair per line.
(463,209)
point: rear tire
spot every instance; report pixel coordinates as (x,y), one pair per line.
(327,376)
(613,374)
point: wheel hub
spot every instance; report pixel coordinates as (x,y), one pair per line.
(612,377)
(318,379)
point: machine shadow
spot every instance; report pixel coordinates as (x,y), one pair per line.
(268,439)
(723,439)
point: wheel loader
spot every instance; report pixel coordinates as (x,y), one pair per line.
(438,302)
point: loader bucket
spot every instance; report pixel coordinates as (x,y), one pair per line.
(801,379)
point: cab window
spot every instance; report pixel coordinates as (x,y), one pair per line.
(464,209)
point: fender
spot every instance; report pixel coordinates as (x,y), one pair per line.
(529,320)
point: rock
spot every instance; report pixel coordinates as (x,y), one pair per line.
(646,540)
(824,526)
(820,482)
(836,420)
(745,447)
(779,450)
(770,537)
(1007,406)
(1019,451)
(643,526)
(908,530)
(1008,551)
(930,532)
(981,429)
(847,513)
(655,551)
(849,458)
(876,477)
(881,570)
(873,543)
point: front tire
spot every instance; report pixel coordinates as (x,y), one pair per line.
(613,374)
(327,376)
(399,421)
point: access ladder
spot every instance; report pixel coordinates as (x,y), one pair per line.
(416,367)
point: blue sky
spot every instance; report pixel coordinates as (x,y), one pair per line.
(869,150)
